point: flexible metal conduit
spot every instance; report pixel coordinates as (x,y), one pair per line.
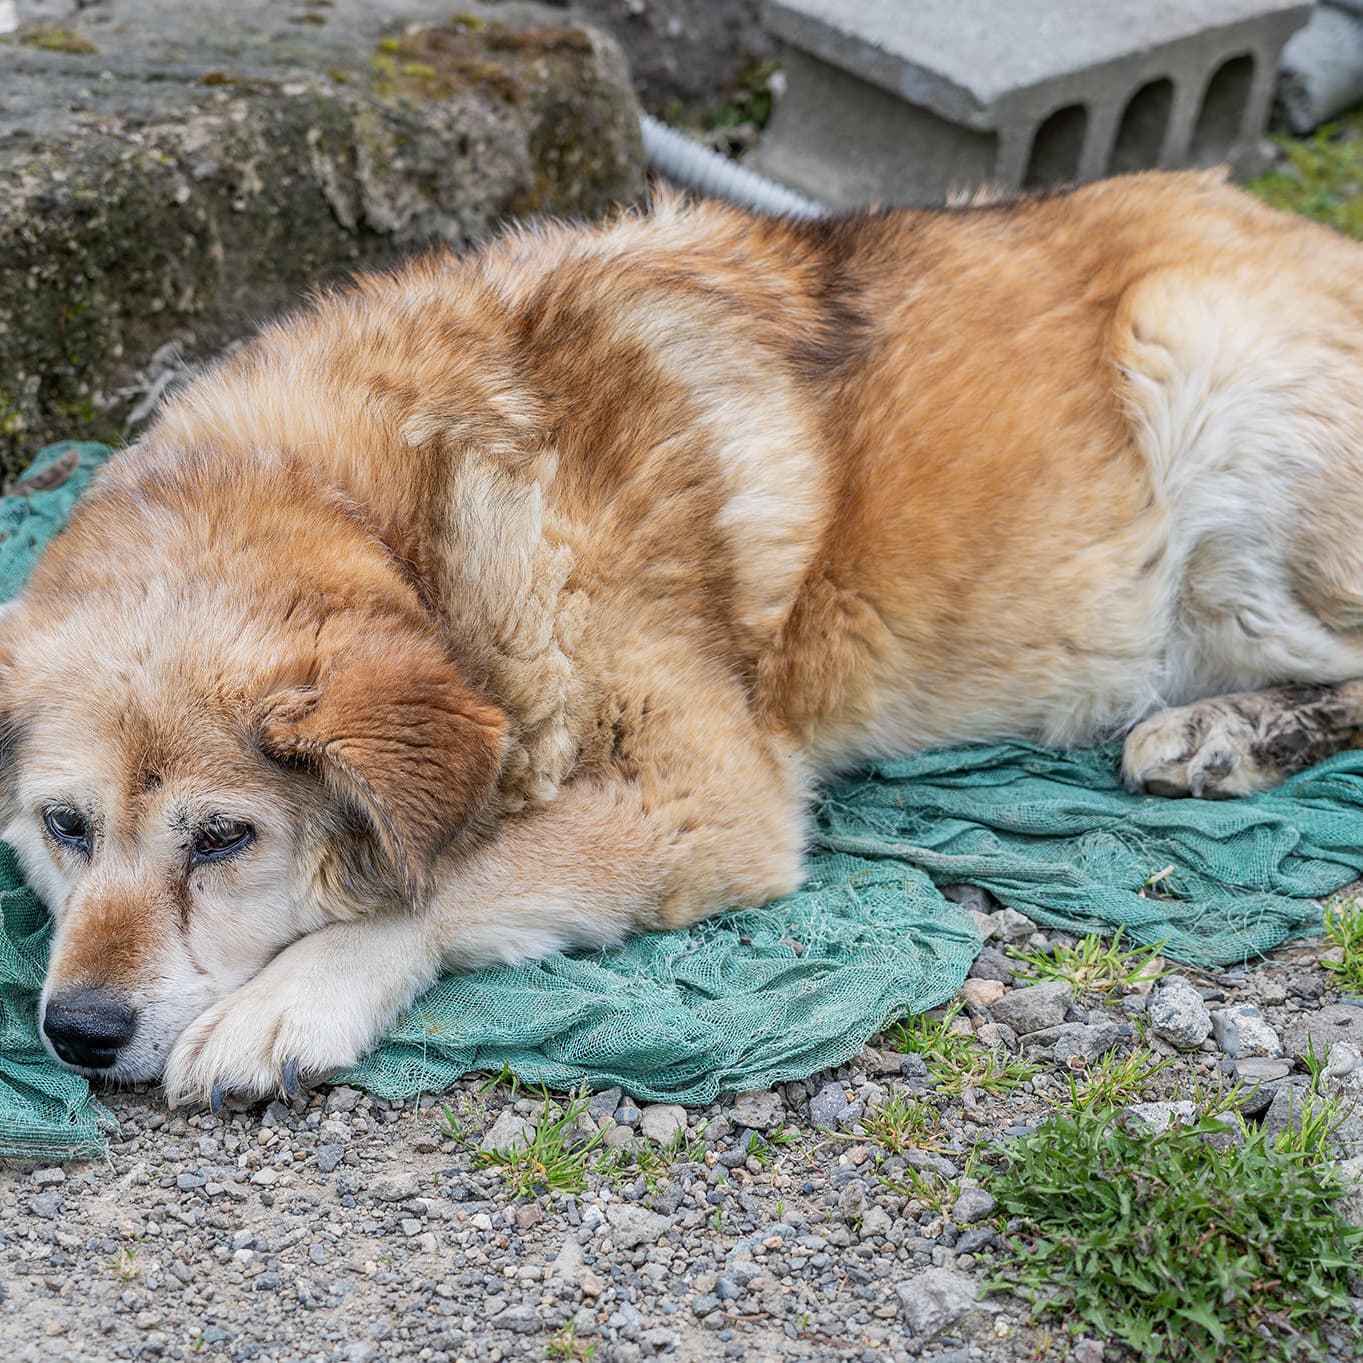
(685,161)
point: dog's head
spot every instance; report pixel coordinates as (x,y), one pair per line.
(217,742)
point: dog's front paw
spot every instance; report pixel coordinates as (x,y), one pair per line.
(277,1029)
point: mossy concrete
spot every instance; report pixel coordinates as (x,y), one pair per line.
(191,176)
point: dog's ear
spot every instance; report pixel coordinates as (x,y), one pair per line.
(396,733)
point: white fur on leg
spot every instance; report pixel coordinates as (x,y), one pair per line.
(317,1007)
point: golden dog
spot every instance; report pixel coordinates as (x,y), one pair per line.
(509,604)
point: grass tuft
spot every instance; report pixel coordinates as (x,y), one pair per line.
(564,1344)
(955,1060)
(1175,1249)
(1115,1080)
(555,1160)
(901,1123)
(1094,964)
(1344,928)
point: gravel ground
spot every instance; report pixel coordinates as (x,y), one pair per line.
(767,1228)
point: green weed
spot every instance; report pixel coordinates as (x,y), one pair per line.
(1093,964)
(556,1159)
(1115,1080)
(957,1061)
(565,1344)
(901,1123)
(1174,1248)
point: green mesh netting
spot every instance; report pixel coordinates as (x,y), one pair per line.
(751,998)
(44,1110)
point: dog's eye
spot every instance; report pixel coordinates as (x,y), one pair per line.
(68,827)
(220,838)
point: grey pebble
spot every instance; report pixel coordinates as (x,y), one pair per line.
(329,1156)
(46,1205)
(1031,1009)
(827,1105)
(974,1204)
(1177,1014)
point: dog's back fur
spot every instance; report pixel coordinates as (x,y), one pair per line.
(698,507)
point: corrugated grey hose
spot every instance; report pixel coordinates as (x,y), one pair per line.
(683,160)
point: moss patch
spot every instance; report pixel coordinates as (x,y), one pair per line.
(54,38)
(436,62)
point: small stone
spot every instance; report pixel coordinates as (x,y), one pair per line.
(991,964)
(827,1105)
(1242,1031)
(1262,1069)
(632,1225)
(616,1137)
(759,1111)
(628,1115)
(974,1204)
(317,1254)
(409,1226)
(187,1183)
(567,1265)
(1351,1204)
(394,1187)
(704,1304)
(1013,926)
(1344,1059)
(935,1300)
(602,1105)
(343,1099)
(978,902)
(509,1132)
(1031,1009)
(46,1205)
(1087,1351)
(662,1122)
(1079,1040)
(875,1223)
(329,1156)
(981,993)
(521,1320)
(591,1285)
(995,1036)
(1161,1116)
(1177,1014)
(265,1178)
(974,1240)
(49,1178)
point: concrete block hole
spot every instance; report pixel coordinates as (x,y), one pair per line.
(1143,126)
(1223,109)
(1056,148)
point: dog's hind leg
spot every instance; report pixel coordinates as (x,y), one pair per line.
(1238,744)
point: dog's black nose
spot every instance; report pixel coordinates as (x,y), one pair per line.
(87,1027)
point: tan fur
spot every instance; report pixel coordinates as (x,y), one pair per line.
(553,576)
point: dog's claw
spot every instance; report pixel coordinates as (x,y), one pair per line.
(291,1088)
(215,1099)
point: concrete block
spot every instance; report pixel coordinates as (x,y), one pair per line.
(906,100)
